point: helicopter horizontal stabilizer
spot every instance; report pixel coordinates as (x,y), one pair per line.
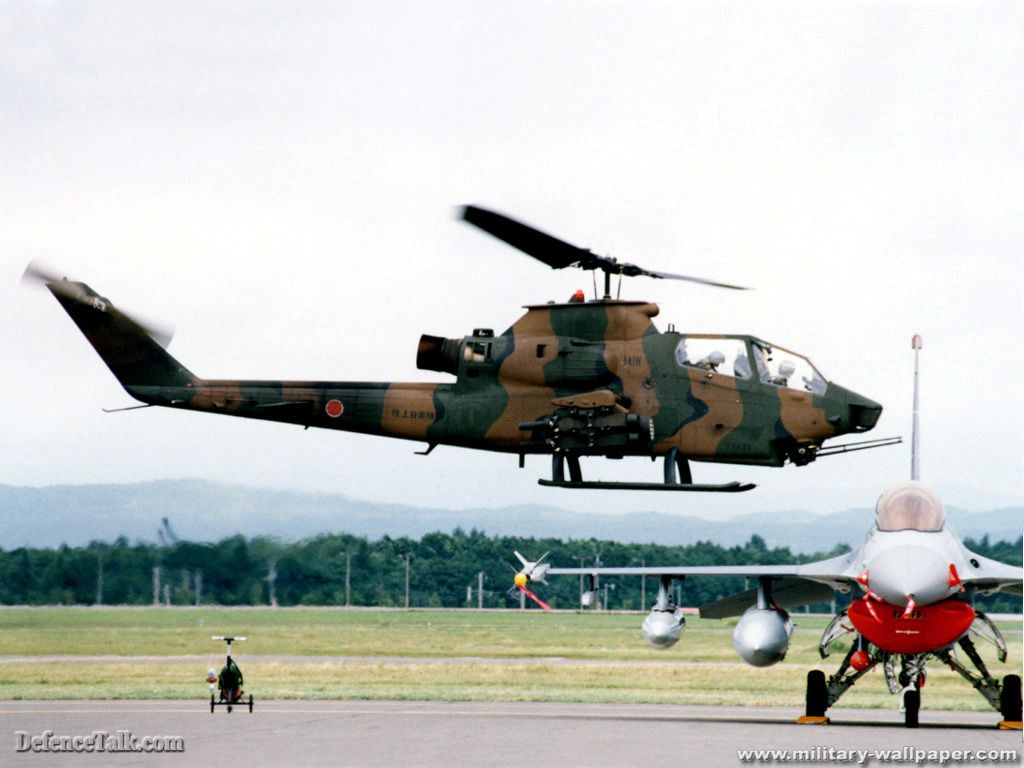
(733,487)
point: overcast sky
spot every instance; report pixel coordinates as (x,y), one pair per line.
(277,181)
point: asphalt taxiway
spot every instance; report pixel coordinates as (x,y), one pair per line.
(465,734)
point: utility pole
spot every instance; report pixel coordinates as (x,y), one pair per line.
(99,579)
(348,579)
(480,590)
(271,579)
(580,559)
(643,586)
(156,585)
(199,586)
(607,586)
(407,557)
(167,594)
(597,581)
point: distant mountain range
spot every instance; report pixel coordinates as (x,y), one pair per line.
(200,510)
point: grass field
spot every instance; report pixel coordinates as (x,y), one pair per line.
(528,655)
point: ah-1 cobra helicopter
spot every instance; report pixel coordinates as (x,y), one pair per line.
(583,378)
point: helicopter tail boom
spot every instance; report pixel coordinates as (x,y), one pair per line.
(135,354)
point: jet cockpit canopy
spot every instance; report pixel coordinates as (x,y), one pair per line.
(910,506)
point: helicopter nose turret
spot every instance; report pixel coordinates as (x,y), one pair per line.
(850,412)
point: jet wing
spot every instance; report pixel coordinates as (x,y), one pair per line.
(992,576)
(787,591)
(834,571)
(791,584)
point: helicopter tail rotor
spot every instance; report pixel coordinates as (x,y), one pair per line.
(132,348)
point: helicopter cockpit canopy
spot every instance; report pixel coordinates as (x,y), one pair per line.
(784,368)
(731,356)
(909,506)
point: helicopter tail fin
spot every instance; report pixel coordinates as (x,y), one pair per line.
(132,351)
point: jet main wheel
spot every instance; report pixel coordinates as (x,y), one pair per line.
(250,702)
(1009,699)
(911,707)
(229,707)
(817,694)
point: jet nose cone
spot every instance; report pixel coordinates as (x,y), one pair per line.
(897,573)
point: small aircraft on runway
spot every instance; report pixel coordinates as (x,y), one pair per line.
(918,583)
(567,380)
(229,681)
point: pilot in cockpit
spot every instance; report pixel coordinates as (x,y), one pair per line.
(711,361)
(786,369)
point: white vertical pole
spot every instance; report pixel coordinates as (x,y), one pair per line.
(915,459)
(348,579)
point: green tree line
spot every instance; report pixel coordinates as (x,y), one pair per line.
(441,567)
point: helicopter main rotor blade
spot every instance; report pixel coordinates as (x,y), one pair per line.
(556,253)
(559,254)
(690,279)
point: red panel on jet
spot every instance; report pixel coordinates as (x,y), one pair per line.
(926,628)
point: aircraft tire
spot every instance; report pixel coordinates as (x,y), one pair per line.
(213,705)
(1009,698)
(912,707)
(817,694)
(250,702)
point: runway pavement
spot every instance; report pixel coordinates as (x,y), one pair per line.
(363,733)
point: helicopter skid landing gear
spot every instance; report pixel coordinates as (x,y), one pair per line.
(558,462)
(672,460)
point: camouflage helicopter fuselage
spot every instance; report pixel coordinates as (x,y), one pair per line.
(587,378)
